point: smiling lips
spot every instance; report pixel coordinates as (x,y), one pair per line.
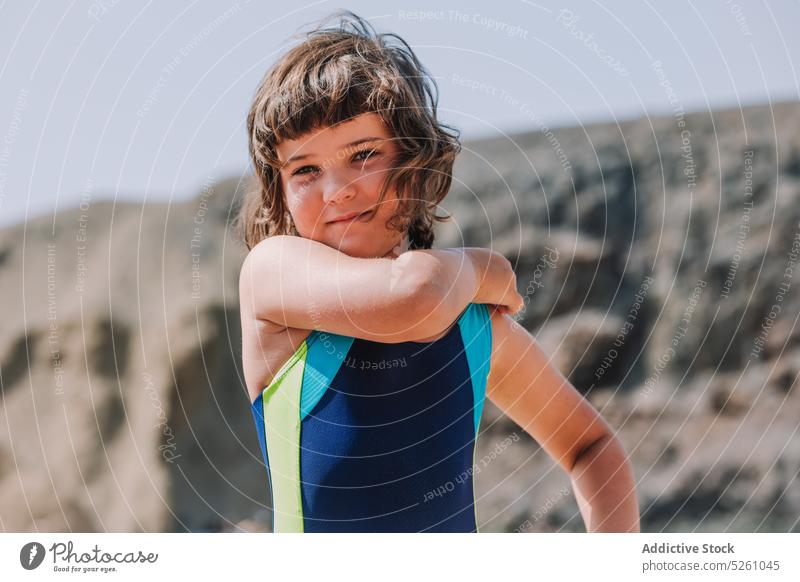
(348,217)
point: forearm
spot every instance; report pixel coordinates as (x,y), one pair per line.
(605,488)
(300,283)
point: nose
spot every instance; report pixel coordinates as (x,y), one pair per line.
(339,186)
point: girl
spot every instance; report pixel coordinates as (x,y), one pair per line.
(367,354)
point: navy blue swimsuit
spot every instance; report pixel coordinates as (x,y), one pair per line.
(362,436)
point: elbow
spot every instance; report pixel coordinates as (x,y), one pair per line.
(605,443)
(420,293)
(419,299)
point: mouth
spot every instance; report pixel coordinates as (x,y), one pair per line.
(350,217)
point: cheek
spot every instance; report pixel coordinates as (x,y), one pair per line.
(389,202)
(299,198)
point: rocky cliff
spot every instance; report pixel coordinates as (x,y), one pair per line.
(659,259)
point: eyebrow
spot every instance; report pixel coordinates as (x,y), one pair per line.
(351,144)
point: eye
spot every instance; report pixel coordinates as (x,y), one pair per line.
(370,152)
(299,171)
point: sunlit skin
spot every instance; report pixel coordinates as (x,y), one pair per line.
(325,175)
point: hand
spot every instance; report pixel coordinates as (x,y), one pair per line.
(498,282)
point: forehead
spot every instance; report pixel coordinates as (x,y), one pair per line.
(330,139)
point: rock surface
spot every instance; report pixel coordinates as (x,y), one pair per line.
(652,263)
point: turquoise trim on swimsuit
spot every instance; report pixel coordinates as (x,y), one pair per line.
(326,352)
(476,334)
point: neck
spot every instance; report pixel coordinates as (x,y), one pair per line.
(398,249)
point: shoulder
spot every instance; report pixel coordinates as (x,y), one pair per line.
(252,263)
(254,273)
(260,266)
(268,249)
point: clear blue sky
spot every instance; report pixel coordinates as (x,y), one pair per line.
(127,99)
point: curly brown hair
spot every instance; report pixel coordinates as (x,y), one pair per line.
(335,74)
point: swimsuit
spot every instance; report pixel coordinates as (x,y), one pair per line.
(363,436)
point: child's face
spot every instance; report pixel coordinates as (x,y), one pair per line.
(335,178)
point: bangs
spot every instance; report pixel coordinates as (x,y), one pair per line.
(322,102)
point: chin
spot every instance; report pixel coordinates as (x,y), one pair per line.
(357,246)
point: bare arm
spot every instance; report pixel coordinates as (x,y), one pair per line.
(604,487)
(300,283)
(535,395)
